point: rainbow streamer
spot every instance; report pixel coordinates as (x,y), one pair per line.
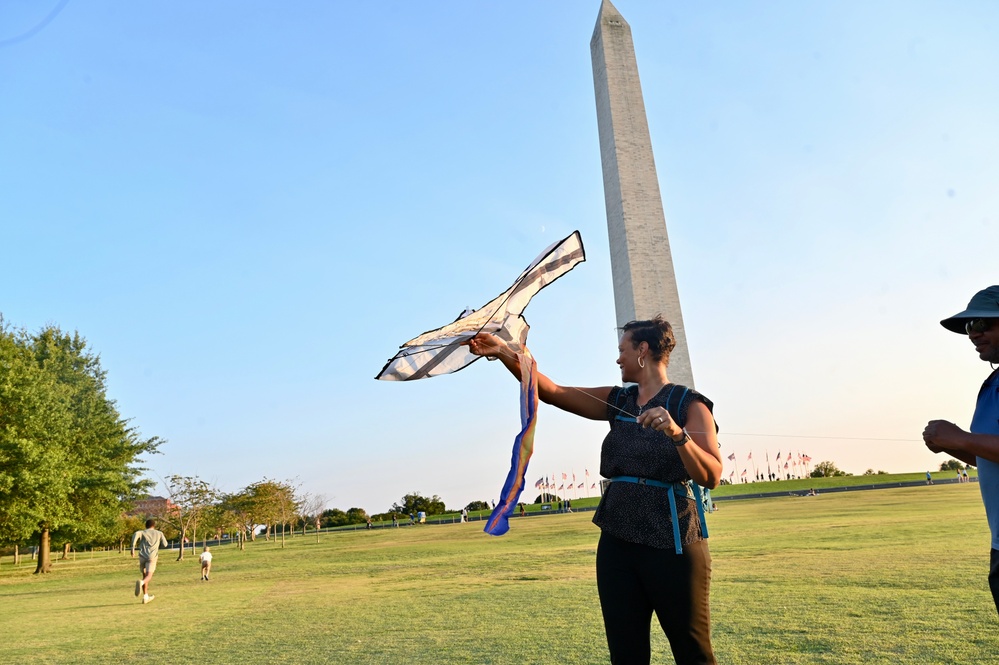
(523,447)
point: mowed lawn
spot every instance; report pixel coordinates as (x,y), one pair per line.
(887,576)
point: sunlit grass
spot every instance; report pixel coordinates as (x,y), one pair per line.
(894,576)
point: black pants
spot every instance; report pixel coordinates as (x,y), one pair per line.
(993,576)
(636,580)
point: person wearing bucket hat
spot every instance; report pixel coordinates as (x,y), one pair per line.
(980,445)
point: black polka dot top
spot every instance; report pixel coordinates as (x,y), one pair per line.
(640,513)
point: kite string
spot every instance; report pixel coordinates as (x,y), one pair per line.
(784,436)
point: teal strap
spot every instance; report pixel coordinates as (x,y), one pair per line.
(676,520)
(700,508)
(686,490)
(639,481)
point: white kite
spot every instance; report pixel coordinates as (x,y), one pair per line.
(440,351)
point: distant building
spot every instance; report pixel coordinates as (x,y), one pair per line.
(152,506)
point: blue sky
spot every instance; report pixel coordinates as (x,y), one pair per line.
(246,207)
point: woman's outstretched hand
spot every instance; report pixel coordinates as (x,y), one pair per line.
(484,344)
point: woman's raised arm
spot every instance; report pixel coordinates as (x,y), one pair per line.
(586,402)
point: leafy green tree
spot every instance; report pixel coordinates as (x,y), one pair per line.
(951,465)
(826,470)
(236,512)
(270,502)
(477,505)
(262,499)
(127,526)
(548,498)
(414,503)
(192,497)
(332,517)
(356,516)
(68,460)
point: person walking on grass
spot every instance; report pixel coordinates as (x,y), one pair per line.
(206,564)
(980,445)
(150,540)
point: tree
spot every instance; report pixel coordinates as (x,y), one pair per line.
(313,506)
(951,465)
(414,503)
(191,497)
(214,520)
(68,460)
(288,507)
(356,516)
(269,502)
(262,503)
(127,526)
(548,498)
(333,517)
(826,470)
(236,512)
(477,505)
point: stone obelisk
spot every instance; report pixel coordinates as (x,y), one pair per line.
(641,262)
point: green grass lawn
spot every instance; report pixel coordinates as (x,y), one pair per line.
(893,576)
(798,486)
(819,484)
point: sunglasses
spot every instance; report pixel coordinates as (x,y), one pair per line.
(978,325)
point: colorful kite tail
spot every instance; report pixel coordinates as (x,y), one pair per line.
(523,448)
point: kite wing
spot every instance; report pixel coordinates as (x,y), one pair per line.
(440,351)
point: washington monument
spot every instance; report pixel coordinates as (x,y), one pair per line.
(641,262)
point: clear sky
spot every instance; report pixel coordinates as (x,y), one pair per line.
(245,207)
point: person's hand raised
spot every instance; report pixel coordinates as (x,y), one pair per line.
(484,344)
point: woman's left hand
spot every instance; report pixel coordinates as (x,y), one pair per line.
(660,420)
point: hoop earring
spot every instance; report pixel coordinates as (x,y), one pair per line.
(640,363)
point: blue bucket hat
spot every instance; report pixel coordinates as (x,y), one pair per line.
(984,305)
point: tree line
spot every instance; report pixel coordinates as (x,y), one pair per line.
(71,465)
(268,508)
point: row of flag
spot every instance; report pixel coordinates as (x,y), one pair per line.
(793,464)
(801,457)
(552,484)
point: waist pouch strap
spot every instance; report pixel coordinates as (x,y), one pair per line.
(688,490)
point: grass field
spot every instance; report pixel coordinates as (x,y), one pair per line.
(893,576)
(798,486)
